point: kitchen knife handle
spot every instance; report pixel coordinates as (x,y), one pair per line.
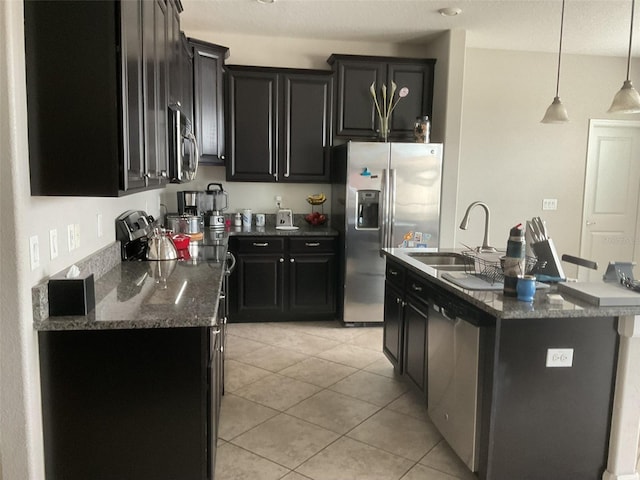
(581,262)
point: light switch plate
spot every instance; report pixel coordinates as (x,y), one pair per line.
(53,243)
(559,357)
(34,252)
(71,237)
(550,204)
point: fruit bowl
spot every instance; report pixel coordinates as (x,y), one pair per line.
(316,218)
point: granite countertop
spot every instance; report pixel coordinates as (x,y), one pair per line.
(304,229)
(496,304)
(147,294)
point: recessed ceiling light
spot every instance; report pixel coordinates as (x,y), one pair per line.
(266,2)
(450,11)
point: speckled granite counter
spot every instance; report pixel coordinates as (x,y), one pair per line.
(499,306)
(304,229)
(167,294)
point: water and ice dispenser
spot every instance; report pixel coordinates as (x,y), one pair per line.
(367,209)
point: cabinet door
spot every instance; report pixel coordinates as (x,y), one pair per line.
(174,50)
(133,124)
(415,343)
(154,50)
(306,129)
(392,328)
(418,78)
(312,283)
(186,77)
(208,61)
(260,285)
(356,113)
(253,125)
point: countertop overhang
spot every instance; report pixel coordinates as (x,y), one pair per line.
(500,306)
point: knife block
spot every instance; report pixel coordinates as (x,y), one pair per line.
(546,252)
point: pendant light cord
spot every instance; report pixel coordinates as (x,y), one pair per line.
(560,48)
(633,4)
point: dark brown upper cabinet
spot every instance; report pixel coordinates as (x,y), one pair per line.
(279,124)
(208,100)
(356,115)
(97,96)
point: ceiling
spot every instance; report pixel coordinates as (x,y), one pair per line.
(592,27)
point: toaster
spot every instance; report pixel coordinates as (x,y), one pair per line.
(284,218)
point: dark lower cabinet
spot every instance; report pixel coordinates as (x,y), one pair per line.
(279,278)
(260,284)
(312,283)
(392,327)
(129,404)
(415,343)
(279,124)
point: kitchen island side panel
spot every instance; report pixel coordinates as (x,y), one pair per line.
(125,404)
(552,422)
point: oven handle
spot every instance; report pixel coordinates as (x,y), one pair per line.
(230,268)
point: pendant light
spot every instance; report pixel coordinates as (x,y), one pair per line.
(557,113)
(627,99)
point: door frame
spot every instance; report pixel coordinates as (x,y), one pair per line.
(594,123)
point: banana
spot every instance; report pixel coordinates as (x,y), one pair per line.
(317,199)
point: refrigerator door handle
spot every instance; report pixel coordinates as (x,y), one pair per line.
(392,206)
(384,211)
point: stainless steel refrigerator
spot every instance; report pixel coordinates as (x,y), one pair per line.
(383,195)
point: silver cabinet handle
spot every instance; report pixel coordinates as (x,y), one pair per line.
(312,244)
(590,223)
(398,300)
(416,288)
(393,272)
(265,244)
(292,260)
(282,260)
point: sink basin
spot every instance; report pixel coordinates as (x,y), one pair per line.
(443,261)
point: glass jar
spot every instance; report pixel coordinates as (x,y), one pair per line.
(422,129)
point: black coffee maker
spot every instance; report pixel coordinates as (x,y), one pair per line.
(191,202)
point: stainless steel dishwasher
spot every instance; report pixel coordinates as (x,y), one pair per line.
(453,348)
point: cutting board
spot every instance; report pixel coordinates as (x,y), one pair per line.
(602,294)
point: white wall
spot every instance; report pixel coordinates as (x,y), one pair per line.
(512,161)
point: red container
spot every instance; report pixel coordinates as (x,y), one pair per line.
(181,241)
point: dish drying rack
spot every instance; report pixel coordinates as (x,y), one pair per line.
(488,265)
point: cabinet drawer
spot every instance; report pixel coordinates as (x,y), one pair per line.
(418,287)
(312,245)
(395,274)
(260,245)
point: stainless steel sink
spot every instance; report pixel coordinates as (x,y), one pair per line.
(443,260)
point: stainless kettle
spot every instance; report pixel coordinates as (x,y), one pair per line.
(161,246)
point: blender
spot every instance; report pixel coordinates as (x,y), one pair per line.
(218,201)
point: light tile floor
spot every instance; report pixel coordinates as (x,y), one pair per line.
(317,401)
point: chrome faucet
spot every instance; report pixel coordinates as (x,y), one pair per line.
(465,223)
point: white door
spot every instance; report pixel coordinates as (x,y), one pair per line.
(612,183)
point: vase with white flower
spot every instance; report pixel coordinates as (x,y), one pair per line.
(384,114)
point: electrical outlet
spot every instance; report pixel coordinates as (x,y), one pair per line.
(99,231)
(71,237)
(550,204)
(34,252)
(278,201)
(76,233)
(53,243)
(559,357)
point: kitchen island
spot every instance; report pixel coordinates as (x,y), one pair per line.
(519,390)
